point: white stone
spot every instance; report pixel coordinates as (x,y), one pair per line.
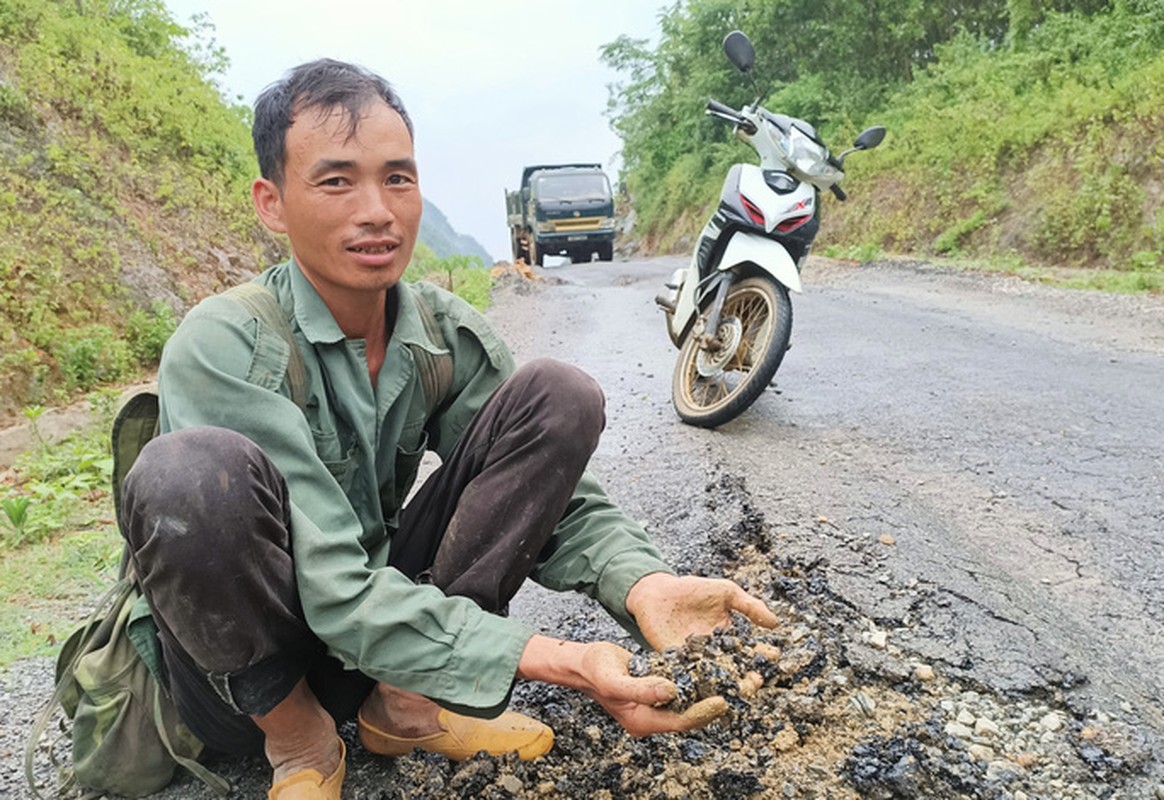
(511,784)
(966,718)
(864,703)
(878,639)
(1051,722)
(985,727)
(958,730)
(980,752)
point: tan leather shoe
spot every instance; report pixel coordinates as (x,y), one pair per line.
(309,784)
(463,737)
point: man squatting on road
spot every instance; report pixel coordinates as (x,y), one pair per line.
(289,587)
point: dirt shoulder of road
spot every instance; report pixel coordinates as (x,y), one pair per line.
(18,436)
(1126,322)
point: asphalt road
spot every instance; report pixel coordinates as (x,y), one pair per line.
(1008,437)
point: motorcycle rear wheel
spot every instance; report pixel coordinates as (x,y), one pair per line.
(710,387)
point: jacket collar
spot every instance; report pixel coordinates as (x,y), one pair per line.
(319,326)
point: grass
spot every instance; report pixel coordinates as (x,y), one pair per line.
(1102,280)
(59,544)
(47,587)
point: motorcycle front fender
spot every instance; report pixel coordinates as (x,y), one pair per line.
(768,255)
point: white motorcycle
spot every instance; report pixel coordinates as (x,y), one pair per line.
(728,311)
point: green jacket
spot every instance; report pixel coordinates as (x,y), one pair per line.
(349,461)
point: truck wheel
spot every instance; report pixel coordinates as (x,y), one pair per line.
(578,257)
(606,251)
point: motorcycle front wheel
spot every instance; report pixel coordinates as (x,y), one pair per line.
(713,385)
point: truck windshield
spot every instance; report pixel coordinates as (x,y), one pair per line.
(571,188)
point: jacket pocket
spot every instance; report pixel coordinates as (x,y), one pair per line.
(339,460)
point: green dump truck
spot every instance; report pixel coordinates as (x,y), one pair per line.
(561,209)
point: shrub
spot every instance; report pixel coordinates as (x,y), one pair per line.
(92,355)
(464,276)
(148,331)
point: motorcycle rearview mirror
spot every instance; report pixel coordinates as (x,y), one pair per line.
(738,48)
(867,140)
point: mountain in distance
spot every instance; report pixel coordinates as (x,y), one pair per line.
(438,234)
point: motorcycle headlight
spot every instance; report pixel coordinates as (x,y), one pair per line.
(811,158)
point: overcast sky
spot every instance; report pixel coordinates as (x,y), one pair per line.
(491,85)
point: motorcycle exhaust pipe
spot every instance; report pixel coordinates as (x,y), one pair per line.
(669,301)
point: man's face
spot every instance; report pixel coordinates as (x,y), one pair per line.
(350,205)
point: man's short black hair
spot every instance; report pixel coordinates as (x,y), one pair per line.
(322,85)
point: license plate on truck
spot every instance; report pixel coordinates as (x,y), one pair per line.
(575,238)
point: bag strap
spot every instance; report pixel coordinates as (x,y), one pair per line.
(264,306)
(435,369)
(112,598)
(139,419)
(212,779)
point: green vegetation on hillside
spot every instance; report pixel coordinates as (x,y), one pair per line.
(1020,130)
(122,166)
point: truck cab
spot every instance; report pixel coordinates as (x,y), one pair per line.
(562,209)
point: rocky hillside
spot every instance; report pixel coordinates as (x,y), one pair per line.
(437,232)
(124,192)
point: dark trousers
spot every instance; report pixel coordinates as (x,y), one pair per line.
(207,518)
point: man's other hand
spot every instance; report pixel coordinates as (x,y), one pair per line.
(600,670)
(669,608)
(634,702)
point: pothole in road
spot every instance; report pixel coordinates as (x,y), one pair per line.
(807,719)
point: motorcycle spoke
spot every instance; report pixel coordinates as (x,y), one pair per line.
(753,314)
(708,391)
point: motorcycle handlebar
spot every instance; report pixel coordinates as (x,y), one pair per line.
(727,112)
(838,192)
(718,107)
